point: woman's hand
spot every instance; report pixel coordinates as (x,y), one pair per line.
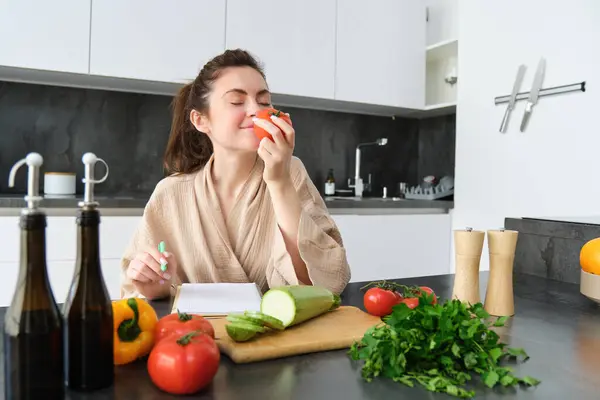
(276,154)
(145,268)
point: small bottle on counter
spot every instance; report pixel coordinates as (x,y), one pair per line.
(330,184)
(468,246)
(88,315)
(33,328)
(499,298)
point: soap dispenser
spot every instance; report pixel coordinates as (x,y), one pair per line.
(499,298)
(33,326)
(468,245)
(87,313)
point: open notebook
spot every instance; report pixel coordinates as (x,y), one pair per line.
(217,298)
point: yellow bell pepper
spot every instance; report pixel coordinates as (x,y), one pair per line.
(134,323)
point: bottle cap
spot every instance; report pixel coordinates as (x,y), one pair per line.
(90,160)
(34,161)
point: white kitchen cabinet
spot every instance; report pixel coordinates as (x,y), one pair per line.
(155,40)
(46,35)
(396,246)
(61,237)
(380,55)
(61,252)
(295,42)
(441,75)
(60,275)
(115,235)
(442,21)
(442,55)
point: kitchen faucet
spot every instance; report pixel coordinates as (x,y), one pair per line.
(358,182)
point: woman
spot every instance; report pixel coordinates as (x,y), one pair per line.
(233,208)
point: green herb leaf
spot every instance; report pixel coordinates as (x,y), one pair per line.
(470,360)
(490,378)
(438,347)
(455,349)
(452,390)
(516,352)
(528,380)
(496,353)
(479,311)
(508,380)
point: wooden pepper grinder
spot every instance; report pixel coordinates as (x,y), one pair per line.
(468,245)
(499,297)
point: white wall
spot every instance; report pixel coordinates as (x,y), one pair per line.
(551,168)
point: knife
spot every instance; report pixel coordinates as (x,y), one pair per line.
(534,94)
(513,97)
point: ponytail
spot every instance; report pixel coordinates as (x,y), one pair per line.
(188,150)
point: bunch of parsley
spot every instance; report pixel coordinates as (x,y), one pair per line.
(439,346)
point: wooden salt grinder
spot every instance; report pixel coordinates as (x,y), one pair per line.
(499,297)
(468,245)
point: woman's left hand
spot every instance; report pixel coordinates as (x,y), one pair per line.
(276,154)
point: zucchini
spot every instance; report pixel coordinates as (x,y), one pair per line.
(248,326)
(298,303)
(240,333)
(265,320)
(245,319)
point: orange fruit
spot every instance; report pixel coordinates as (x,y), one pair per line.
(589,256)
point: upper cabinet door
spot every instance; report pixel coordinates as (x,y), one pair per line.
(295,40)
(46,35)
(156,40)
(381,52)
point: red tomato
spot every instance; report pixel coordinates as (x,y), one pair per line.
(428,291)
(182,323)
(184,364)
(266,115)
(411,302)
(379,302)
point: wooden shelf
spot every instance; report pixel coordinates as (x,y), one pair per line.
(442,50)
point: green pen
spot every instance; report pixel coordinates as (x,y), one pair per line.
(161,249)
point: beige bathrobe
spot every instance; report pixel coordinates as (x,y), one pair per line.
(184,212)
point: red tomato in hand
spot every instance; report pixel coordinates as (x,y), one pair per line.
(411,302)
(182,323)
(184,364)
(379,302)
(266,115)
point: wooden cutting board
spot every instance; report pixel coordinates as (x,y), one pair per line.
(334,330)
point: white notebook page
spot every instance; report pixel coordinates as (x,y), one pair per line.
(217,298)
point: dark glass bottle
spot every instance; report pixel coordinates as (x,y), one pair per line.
(33,328)
(88,316)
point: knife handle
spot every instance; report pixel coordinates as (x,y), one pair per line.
(504,123)
(526,116)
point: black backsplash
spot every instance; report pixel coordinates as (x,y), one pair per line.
(129,131)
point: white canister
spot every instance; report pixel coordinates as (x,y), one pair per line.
(61,183)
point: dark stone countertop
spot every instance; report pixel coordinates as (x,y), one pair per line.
(557,326)
(133,204)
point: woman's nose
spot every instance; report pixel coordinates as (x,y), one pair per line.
(253,108)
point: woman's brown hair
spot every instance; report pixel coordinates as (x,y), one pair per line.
(188,150)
